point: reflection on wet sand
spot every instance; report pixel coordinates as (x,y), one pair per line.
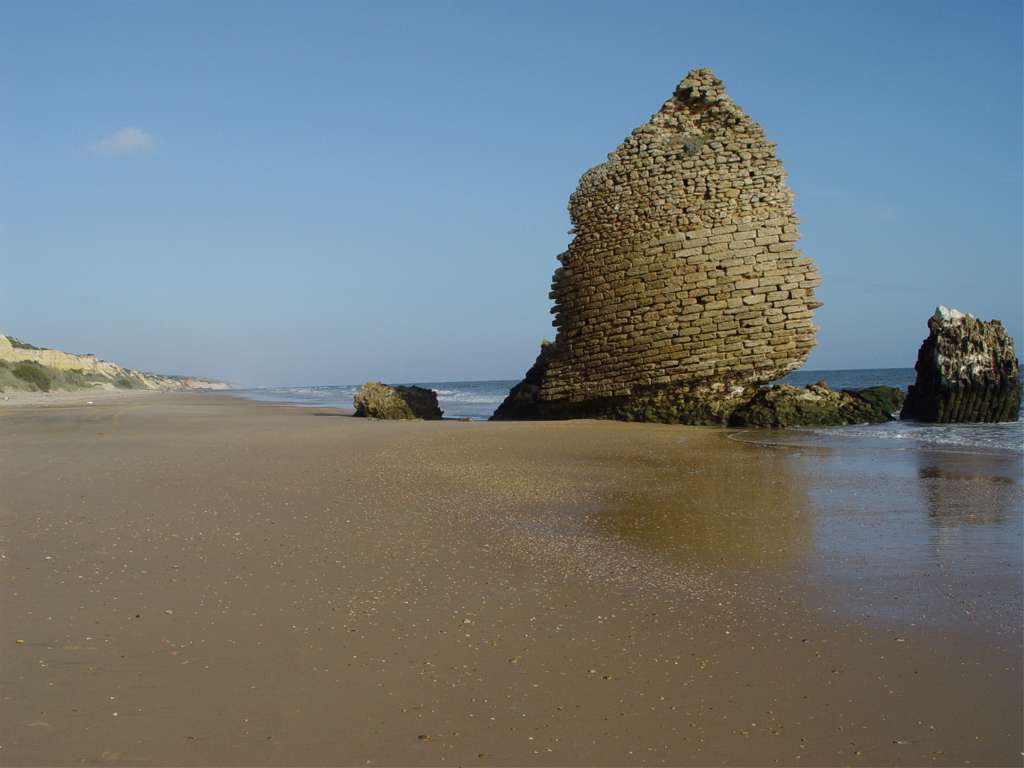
(919,535)
(757,516)
(971,489)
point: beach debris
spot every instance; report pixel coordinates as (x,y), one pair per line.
(682,290)
(967,371)
(382,401)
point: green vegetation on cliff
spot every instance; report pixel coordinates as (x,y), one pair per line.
(28,376)
(129,382)
(36,376)
(25,367)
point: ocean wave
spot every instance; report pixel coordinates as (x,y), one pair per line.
(1005,436)
(463,400)
(465,397)
(898,436)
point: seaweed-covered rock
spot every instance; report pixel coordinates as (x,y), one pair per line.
(736,403)
(784,406)
(382,401)
(701,404)
(966,371)
(888,399)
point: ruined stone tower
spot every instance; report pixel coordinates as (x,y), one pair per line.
(682,288)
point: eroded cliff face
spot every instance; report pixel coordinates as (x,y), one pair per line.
(682,289)
(54,358)
(89,364)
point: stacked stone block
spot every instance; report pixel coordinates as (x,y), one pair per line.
(684,266)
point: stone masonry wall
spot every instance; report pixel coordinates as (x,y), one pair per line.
(684,266)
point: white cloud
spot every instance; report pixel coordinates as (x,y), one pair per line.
(125,141)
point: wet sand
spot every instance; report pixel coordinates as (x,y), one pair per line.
(199,580)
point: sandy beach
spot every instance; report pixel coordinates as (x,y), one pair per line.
(77,397)
(200,580)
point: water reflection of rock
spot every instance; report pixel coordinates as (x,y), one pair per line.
(727,511)
(970,489)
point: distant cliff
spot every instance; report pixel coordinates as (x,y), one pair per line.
(25,366)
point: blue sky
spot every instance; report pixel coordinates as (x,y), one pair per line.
(291,193)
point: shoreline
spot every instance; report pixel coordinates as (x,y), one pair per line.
(248,583)
(478,400)
(82,397)
(811,438)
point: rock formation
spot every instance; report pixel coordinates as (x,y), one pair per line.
(523,401)
(381,401)
(966,371)
(682,289)
(784,406)
(887,399)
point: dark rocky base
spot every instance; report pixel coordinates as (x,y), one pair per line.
(816,405)
(382,401)
(666,405)
(889,399)
(522,402)
(717,404)
(934,402)
(706,404)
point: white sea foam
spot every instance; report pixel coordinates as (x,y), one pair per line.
(1007,436)
(464,400)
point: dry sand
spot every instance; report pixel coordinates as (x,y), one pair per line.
(200,580)
(76,397)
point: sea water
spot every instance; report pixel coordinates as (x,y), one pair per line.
(999,437)
(477,400)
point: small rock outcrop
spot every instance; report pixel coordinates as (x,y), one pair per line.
(382,401)
(784,406)
(966,372)
(683,288)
